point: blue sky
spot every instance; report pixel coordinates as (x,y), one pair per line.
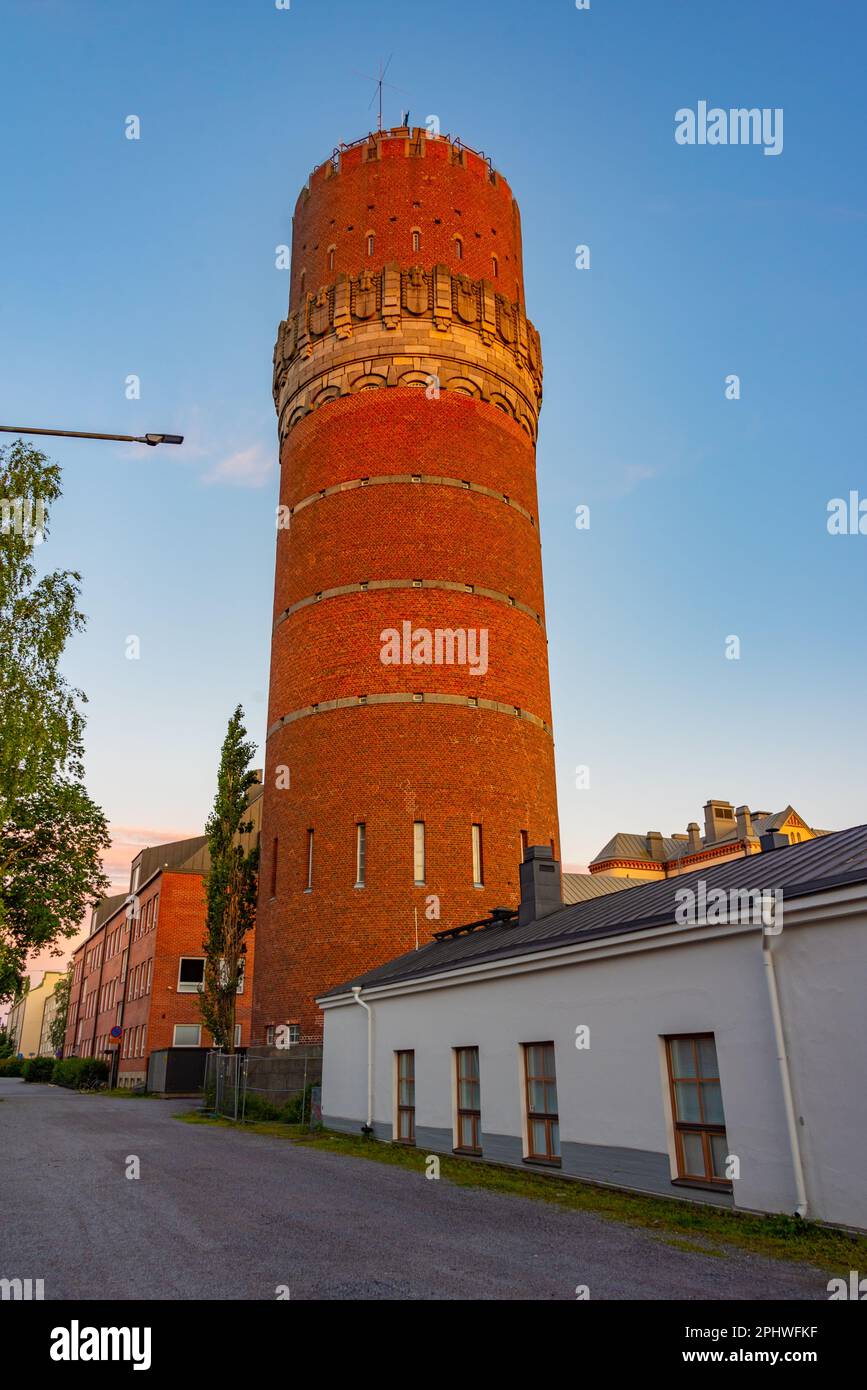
(156,258)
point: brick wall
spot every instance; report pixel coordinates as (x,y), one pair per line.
(349,742)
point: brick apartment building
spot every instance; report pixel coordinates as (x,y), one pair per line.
(142,965)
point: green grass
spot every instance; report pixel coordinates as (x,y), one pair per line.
(715,1231)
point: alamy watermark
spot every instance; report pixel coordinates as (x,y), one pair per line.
(737,126)
(23,516)
(441,647)
(705,907)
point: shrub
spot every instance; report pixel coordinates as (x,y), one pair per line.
(38,1069)
(80,1073)
(10,1066)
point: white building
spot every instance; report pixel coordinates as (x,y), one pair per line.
(724,1061)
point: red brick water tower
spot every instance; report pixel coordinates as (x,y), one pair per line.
(409,752)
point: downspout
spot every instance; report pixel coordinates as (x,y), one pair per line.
(356,992)
(785,1079)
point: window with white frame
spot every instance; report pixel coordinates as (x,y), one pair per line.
(191,974)
(187,1035)
(419,869)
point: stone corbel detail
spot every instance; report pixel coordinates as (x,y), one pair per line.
(391,295)
(342,311)
(442,305)
(488,329)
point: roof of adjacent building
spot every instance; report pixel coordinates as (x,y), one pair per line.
(812,866)
(623,846)
(578,888)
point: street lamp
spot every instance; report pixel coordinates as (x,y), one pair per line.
(151,439)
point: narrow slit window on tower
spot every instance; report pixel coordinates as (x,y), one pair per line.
(495,267)
(274,868)
(419,866)
(371,243)
(309,860)
(524,843)
(360,854)
(459,248)
(303,283)
(332,250)
(416,240)
(478,859)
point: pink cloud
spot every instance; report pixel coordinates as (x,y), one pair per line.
(251,467)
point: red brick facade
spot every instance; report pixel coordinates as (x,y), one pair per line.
(400,506)
(127,974)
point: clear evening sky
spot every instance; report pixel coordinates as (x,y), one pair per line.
(708,516)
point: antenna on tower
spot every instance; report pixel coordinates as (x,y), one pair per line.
(380,83)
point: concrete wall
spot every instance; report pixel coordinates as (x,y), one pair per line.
(613,1098)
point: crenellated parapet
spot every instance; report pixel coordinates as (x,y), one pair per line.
(413,327)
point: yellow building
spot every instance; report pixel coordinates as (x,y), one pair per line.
(729,833)
(26,1016)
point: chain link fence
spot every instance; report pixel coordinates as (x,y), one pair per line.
(285,1087)
(225,1084)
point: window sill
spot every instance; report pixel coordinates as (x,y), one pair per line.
(544,1162)
(467,1153)
(704,1186)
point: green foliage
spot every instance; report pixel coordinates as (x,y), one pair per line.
(38,1069)
(288,1114)
(52,836)
(11,1065)
(6,1047)
(80,1073)
(57,1027)
(232,884)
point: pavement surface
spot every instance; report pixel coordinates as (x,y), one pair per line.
(218,1214)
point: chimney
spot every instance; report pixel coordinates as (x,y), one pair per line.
(693,834)
(655,846)
(719,820)
(773,839)
(541,890)
(745,822)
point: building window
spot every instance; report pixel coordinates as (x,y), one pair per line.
(274,867)
(416,240)
(525,840)
(150,968)
(371,242)
(309,861)
(237,1035)
(360,854)
(191,974)
(495,267)
(543,1120)
(156,908)
(478,859)
(406,1097)
(419,855)
(187,1035)
(697,1109)
(270,1033)
(469,1134)
(331,252)
(459,249)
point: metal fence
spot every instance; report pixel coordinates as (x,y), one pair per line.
(225,1084)
(284,1087)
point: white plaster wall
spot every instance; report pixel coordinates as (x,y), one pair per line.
(822,982)
(614,1094)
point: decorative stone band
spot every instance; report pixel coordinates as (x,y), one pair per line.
(405,328)
(407,698)
(371,584)
(414,478)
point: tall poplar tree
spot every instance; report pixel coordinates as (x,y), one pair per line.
(52,836)
(232,884)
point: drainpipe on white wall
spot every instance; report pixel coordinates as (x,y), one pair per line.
(356,990)
(783,1061)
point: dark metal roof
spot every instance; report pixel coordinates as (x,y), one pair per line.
(828,862)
